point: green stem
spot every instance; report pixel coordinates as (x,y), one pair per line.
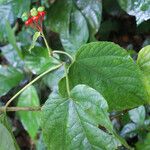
(30,83)
(48,48)
(67,80)
(61,52)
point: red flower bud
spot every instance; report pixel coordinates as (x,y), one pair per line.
(42,13)
(28,22)
(35,18)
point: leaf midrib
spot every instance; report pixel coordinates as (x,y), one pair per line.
(80,121)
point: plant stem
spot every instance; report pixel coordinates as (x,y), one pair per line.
(61,52)
(48,48)
(30,83)
(3,109)
(67,80)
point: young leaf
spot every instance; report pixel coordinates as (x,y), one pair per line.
(30,120)
(137,115)
(38,61)
(9,78)
(72,123)
(138,8)
(110,70)
(143,61)
(35,37)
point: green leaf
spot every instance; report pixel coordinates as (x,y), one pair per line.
(72,123)
(143,61)
(35,37)
(6,141)
(59,14)
(11,56)
(137,115)
(144,145)
(30,120)
(12,39)
(129,130)
(40,144)
(9,12)
(39,57)
(59,23)
(110,70)
(7,127)
(76,34)
(92,11)
(19,7)
(138,8)
(52,79)
(5,14)
(9,78)
(76,20)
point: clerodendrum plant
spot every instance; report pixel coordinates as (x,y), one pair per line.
(99,79)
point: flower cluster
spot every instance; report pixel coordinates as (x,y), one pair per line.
(35,18)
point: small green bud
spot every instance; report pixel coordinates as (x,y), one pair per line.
(41,8)
(24,17)
(33,12)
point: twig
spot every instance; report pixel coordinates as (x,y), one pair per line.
(119,114)
(2,109)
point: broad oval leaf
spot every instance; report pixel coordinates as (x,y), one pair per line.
(6,142)
(9,78)
(92,10)
(138,8)
(30,120)
(76,34)
(77,21)
(110,70)
(59,15)
(143,61)
(72,123)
